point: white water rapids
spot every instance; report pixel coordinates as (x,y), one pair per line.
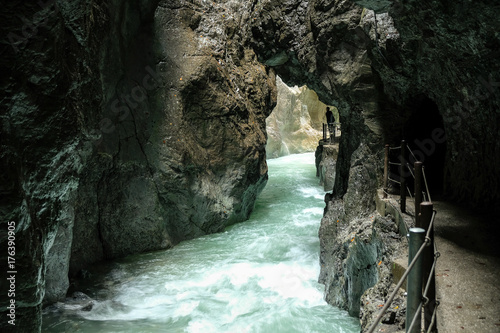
(257,276)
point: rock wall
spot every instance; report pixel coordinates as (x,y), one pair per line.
(420,71)
(129,126)
(126,127)
(383,70)
(326,161)
(50,90)
(182,136)
(296,124)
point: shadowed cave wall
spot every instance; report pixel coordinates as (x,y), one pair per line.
(126,127)
(129,126)
(400,73)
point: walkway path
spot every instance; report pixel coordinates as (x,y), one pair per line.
(468,270)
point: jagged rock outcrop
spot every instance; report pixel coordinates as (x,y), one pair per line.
(351,247)
(326,160)
(296,123)
(183,137)
(126,127)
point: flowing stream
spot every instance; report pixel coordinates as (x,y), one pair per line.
(257,276)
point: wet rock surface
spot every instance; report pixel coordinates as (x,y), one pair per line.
(356,261)
(128,126)
(326,160)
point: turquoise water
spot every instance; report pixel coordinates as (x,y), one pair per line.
(257,276)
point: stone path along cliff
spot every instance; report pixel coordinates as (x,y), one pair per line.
(467,270)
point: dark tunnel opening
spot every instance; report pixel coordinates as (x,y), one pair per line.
(425,135)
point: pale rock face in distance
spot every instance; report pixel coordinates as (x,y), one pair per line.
(295,125)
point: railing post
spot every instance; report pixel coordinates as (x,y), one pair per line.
(386,170)
(418,191)
(402,177)
(324,132)
(426,210)
(414,284)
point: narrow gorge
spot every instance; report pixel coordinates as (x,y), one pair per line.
(129,127)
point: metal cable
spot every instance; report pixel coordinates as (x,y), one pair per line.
(426,187)
(436,252)
(392,180)
(409,168)
(392,148)
(431,227)
(400,283)
(409,192)
(431,275)
(411,152)
(424,295)
(392,163)
(433,319)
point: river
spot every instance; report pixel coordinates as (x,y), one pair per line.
(259,276)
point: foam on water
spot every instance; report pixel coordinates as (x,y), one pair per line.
(258,276)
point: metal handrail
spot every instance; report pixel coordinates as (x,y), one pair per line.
(411,152)
(409,169)
(433,319)
(420,172)
(395,181)
(426,299)
(401,164)
(405,275)
(400,283)
(426,187)
(433,269)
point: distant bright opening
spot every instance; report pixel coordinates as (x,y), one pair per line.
(296,124)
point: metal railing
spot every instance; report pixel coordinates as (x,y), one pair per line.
(419,269)
(330,129)
(422,253)
(417,172)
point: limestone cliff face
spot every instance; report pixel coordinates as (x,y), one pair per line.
(126,127)
(182,136)
(296,124)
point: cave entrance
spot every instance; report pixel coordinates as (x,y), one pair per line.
(296,123)
(424,132)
